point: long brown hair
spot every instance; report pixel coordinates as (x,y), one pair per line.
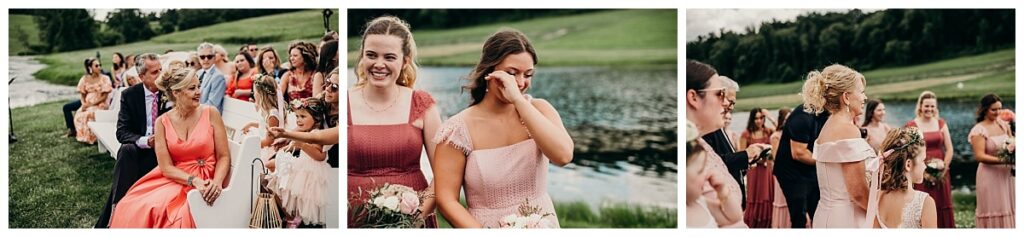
(501,44)
(394,26)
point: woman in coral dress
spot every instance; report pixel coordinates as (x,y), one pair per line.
(191,148)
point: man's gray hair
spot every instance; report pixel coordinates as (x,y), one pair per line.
(204,45)
(729,84)
(140,62)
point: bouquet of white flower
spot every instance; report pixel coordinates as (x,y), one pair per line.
(935,168)
(390,206)
(528,217)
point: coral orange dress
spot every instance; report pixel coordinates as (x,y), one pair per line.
(156,201)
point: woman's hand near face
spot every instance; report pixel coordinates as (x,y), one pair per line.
(508,85)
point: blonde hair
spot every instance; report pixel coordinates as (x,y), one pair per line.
(822,90)
(904,144)
(390,25)
(266,87)
(920,99)
(177,77)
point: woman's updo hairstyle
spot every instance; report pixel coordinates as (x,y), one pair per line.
(822,90)
(175,78)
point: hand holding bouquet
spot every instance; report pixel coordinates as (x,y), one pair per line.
(390,206)
(528,217)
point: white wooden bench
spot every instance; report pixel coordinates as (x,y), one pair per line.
(105,125)
(231,209)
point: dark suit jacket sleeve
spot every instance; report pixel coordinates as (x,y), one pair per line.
(734,161)
(125,122)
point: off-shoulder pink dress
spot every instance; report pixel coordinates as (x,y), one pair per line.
(835,208)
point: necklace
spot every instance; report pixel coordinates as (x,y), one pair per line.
(367,102)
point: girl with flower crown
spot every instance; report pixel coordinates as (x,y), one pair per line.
(302,168)
(893,202)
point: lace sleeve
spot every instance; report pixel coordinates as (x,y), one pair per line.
(421,102)
(454,133)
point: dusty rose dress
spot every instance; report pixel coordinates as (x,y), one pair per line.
(760,188)
(380,154)
(159,202)
(996,193)
(935,148)
(497,181)
(95,99)
(835,208)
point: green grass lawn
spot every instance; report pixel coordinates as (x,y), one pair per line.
(618,215)
(54,181)
(984,73)
(955,66)
(22,29)
(963,209)
(278,30)
(606,38)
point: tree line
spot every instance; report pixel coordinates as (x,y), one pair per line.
(73,29)
(780,51)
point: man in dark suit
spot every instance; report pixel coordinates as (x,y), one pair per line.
(136,121)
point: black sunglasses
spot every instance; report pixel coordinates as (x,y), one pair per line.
(204,57)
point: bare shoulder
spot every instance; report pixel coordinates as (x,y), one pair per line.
(543,106)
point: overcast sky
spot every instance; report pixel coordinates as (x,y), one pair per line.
(101,14)
(704,21)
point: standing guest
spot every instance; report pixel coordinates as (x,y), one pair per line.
(706,102)
(269,64)
(893,203)
(192,153)
(328,61)
(93,89)
(780,212)
(996,186)
(760,182)
(140,107)
(211,78)
(117,69)
(874,122)
(297,83)
(939,154)
(840,151)
(725,143)
(240,85)
(795,168)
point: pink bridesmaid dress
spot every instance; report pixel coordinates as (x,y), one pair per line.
(995,185)
(156,201)
(497,181)
(835,208)
(714,164)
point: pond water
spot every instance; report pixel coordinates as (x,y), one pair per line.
(623,123)
(959,117)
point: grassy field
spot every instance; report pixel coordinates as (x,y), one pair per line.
(22,30)
(55,182)
(606,38)
(580,215)
(277,30)
(963,209)
(980,74)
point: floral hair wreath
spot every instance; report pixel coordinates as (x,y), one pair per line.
(316,107)
(914,140)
